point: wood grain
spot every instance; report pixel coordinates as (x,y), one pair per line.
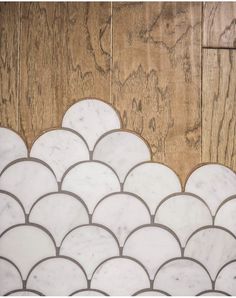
(65,55)
(219,107)
(219,27)
(156,82)
(9,37)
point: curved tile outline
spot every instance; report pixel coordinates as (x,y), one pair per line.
(86,161)
(155,162)
(57,128)
(56,257)
(36,226)
(58,192)
(17,200)
(203,164)
(125,193)
(210,227)
(19,135)
(230,198)
(91,225)
(158,226)
(209,291)
(153,290)
(89,289)
(25,290)
(17,269)
(28,159)
(95,98)
(175,194)
(222,268)
(123,257)
(184,258)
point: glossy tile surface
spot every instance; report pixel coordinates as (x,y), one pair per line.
(88,213)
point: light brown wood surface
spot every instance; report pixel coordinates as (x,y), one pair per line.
(219,107)
(219,24)
(143,58)
(9,52)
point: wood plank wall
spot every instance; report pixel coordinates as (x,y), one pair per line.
(169,68)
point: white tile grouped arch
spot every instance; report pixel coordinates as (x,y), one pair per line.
(87,212)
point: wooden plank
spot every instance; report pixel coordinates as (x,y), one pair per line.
(9,36)
(219,107)
(65,55)
(156,82)
(219,29)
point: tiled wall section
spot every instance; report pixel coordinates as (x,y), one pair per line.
(87,212)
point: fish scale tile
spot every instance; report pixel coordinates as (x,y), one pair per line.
(87,212)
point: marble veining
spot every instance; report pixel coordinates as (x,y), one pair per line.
(87,212)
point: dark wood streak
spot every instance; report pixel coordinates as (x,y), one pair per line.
(219,107)
(156,77)
(219,27)
(9,82)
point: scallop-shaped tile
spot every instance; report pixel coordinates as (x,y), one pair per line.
(226,279)
(28,180)
(89,293)
(91,118)
(120,277)
(184,214)
(25,245)
(121,213)
(122,150)
(151,293)
(25,293)
(152,246)
(59,213)
(89,245)
(225,216)
(60,149)
(57,277)
(91,181)
(213,293)
(12,147)
(9,277)
(213,247)
(213,183)
(11,212)
(152,182)
(182,277)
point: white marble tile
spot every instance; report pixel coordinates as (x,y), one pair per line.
(151,293)
(10,278)
(152,182)
(26,245)
(226,280)
(122,150)
(212,247)
(91,181)
(28,180)
(182,277)
(121,213)
(11,212)
(152,246)
(225,217)
(120,277)
(91,118)
(59,213)
(25,293)
(11,147)
(57,276)
(89,245)
(60,149)
(89,293)
(183,213)
(213,183)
